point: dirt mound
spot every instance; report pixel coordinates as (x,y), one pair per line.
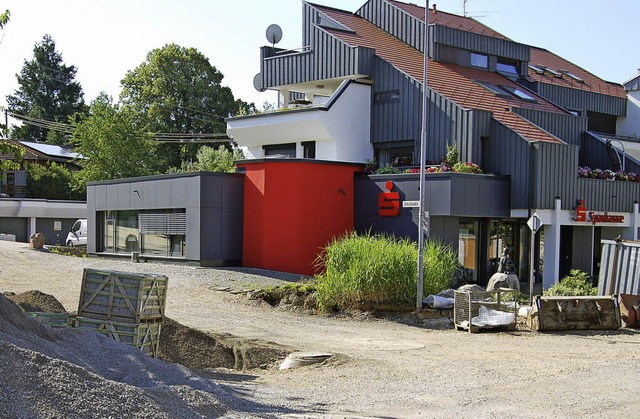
(195,349)
(36,301)
(183,345)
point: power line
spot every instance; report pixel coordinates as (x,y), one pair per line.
(163,137)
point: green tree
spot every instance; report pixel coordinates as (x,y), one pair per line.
(219,159)
(111,145)
(177,90)
(4,18)
(51,181)
(48,91)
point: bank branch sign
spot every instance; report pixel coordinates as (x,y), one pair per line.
(583,215)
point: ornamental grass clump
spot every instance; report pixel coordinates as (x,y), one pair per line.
(365,269)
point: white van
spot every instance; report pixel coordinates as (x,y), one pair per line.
(78,234)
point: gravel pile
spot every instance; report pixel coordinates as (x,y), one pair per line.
(76,373)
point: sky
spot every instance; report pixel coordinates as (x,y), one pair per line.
(106,38)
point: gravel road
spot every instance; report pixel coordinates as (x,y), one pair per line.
(382,368)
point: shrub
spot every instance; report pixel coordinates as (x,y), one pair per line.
(574,284)
(452,155)
(467,167)
(376,269)
(388,170)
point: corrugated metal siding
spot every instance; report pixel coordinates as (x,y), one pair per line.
(402,121)
(338,59)
(480,43)
(506,153)
(287,69)
(593,154)
(326,56)
(582,100)
(398,121)
(394,21)
(568,128)
(555,174)
(625,272)
(605,195)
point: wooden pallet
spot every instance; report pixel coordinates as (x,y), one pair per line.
(122,296)
(52,319)
(144,336)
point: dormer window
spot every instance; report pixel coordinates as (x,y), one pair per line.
(479,60)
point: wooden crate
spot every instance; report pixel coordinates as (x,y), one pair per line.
(52,319)
(122,296)
(574,313)
(485,310)
(144,336)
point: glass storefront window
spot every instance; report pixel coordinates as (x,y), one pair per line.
(127,231)
(122,233)
(468,233)
(155,244)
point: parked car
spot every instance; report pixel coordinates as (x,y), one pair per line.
(78,234)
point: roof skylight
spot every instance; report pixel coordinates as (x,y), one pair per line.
(519,93)
(495,89)
(536,69)
(550,71)
(571,75)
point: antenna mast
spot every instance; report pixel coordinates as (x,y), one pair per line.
(464,8)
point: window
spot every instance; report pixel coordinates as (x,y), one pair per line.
(161,233)
(280,150)
(495,89)
(536,69)
(401,156)
(308,149)
(121,231)
(468,234)
(571,75)
(11,178)
(479,60)
(519,93)
(509,69)
(389,96)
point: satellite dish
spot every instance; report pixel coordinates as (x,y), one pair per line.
(257,83)
(274,34)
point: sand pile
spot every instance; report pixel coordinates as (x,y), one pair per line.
(76,373)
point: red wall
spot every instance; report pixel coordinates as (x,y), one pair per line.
(292,209)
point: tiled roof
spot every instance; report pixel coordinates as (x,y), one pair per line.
(554,62)
(452,81)
(449,20)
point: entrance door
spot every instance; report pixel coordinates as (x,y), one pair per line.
(566,250)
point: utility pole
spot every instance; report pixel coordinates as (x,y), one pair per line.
(423,159)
